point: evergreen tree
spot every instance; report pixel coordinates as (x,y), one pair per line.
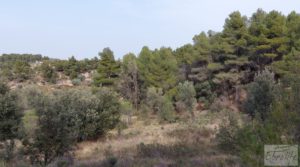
(235,33)
(185,55)
(108,69)
(10,120)
(268,36)
(293,25)
(158,68)
(48,72)
(202,46)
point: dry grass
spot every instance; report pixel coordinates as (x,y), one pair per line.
(135,134)
(187,142)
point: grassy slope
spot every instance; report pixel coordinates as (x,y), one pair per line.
(149,143)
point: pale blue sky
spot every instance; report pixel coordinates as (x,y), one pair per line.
(61,28)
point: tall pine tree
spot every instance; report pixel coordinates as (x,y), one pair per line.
(108,69)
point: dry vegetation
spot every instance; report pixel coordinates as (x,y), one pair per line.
(150,143)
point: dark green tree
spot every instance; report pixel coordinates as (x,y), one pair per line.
(260,95)
(21,71)
(48,72)
(108,69)
(235,33)
(10,120)
(293,26)
(268,36)
(158,68)
(57,128)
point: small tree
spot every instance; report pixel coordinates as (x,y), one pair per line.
(10,120)
(186,95)
(160,104)
(108,69)
(260,94)
(65,117)
(48,72)
(57,127)
(129,86)
(154,98)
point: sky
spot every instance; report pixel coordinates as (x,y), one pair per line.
(82,28)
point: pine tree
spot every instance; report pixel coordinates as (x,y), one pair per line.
(108,69)
(158,68)
(293,25)
(268,36)
(235,33)
(202,46)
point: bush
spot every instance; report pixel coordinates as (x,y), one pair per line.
(76,82)
(48,72)
(160,104)
(167,110)
(126,109)
(260,94)
(186,95)
(278,126)
(64,117)
(10,120)
(154,99)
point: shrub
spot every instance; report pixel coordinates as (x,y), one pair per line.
(154,98)
(76,82)
(48,72)
(186,95)
(10,120)
(260,94)
(64,117)
(160,104)
(167,110)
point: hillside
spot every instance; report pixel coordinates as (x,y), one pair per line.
(215,102)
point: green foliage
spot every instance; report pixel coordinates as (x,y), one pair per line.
(102,114)
(186,95)
(158,68)
(30,123)
(268,36)
(129,80)
(22,71)
(76,81)
(57,129)
(289,67)
(185,54)
(160,104)
(279,126)
(108,69)
(235,33)
(10,120)
(202,46)
(64,117)
(204,92)
(260,94)
(293,26)
(167,110)
(153,99)
(73,68)
(28,58)
(215,66)
(48,72)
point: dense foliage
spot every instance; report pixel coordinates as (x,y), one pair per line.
(10,120)
(214,68)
